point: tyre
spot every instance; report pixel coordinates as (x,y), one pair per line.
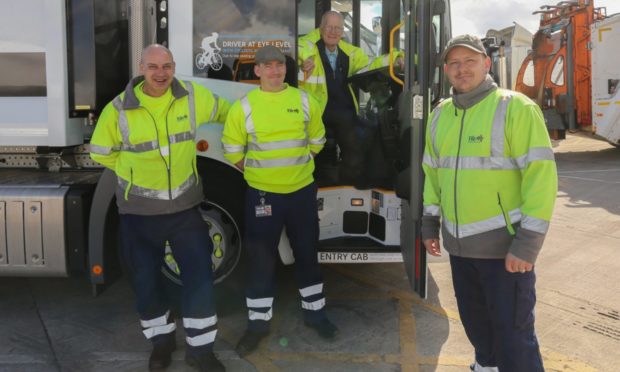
(222,210)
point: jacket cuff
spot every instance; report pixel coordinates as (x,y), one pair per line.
(430,227)
(234,158)
(527,244)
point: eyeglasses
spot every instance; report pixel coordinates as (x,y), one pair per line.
(335,29)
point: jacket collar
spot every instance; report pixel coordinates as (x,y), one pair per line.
(131,101)
(469,99)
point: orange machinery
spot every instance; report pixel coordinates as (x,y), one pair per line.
(557,72)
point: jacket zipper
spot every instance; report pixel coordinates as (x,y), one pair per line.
(169,152)
(509,226)
(128,188)
(456,173)
(159,150)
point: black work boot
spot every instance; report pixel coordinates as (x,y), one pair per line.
(324,328)
(161,356)
(205,362)
(249,342)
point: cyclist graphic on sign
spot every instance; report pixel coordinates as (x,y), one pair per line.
(210,56)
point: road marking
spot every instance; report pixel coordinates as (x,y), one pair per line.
(400,294)
(591,170)
(408,358)
(589,179)
(559,362)
(552,360)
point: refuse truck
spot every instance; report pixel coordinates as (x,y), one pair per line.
(64,60)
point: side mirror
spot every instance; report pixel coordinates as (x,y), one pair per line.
(439,7)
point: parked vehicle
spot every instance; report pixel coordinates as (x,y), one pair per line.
(62,61)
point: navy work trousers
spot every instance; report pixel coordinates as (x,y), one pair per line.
(144,239)
(497,312)
(297,211)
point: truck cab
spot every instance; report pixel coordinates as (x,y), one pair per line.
(70,58)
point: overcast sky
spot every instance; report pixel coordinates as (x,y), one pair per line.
(478,16)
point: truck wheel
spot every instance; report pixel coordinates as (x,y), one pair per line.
(222,210)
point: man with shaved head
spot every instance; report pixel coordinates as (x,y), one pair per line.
(146,136)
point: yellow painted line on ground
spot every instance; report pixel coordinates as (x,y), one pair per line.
(553,360)
(407,332)
(559,362)
(326,356)
(443,360)
(397,293)
(604,103)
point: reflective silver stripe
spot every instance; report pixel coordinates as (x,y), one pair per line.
(216,99)
(159,321)
(159,330)
(249,122)
(479,227)
(255,315)
(259,302)
(479,368)
(317,141)
(181,137)
(140,147)
(311,290)
(431,210)
(277,145)
(272,163)
(122,119)
(192,106)
(204,339)
(200,323)
(478,163)
(316,305)
(157,194)
(437,113)
(316,79)
(232,149)
(535,224)
(430,161)
(305,105)
(101,150)
(534,154)
(499,126)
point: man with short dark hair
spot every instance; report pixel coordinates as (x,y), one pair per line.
(491,177)
(272,134)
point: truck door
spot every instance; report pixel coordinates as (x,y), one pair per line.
(425,28)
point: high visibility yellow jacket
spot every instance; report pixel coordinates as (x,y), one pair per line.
(275,133)
(491,175)
(149,143)
(315,83)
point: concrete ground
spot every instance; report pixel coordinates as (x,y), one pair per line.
(55,324)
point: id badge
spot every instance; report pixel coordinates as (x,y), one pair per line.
(263,210)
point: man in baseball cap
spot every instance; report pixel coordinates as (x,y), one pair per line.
(272,134)
(269,53)
(483,130)
(467,41)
